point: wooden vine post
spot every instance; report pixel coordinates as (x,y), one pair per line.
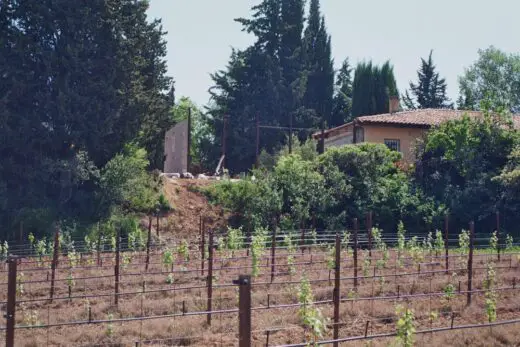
(470,261)
(369,232)
(336,293)
(446,240)
(355,253)
(273,253)
(210,277)
(55,259)
(117,267)
(11,303)
(244,310)
(148,241)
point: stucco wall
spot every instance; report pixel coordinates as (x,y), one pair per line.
(176,148)
(407,136)
(339,140)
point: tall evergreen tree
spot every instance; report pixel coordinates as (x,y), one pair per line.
(266,80)
(342,103)
(292,59)
(430,90)
(320,67)
(371,89)
(76,83)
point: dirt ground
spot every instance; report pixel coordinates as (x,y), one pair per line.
(189,205)
(147,294)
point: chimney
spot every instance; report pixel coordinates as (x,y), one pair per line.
(393,104)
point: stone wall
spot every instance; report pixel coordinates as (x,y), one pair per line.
(176,148)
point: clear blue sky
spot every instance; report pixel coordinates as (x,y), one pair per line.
(202,32)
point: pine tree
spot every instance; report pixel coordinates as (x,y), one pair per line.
(430,90)
(320,81)
(342,103)
(371,89)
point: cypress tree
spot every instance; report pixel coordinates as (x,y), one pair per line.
(342,103)
(319,65)
(430,90)
(371,89)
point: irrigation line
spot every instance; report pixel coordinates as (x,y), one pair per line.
(226,311)
(254,284)
(427,331)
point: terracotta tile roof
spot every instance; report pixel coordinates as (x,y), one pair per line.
(424,118)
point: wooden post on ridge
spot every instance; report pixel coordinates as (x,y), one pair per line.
(210,278)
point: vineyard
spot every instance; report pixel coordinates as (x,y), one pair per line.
(355,287)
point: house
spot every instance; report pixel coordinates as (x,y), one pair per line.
(398,130)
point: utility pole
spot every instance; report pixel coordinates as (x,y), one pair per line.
(188,165)
(224,137)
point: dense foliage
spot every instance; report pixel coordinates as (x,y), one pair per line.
(495,74)
(469,166)
(430,89)
(285,79)
(78,81)
(372,88)
(328,190)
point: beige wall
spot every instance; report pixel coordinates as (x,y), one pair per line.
(407,136)
(377,134)
(176,148)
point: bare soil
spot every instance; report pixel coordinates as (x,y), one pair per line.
(149,295)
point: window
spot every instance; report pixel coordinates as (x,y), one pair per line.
(394,144)
(360,134)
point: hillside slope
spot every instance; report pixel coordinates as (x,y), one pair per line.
(188,207)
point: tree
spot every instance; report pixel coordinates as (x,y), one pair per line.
(319,66)
(266,80)
(430,90)
(371,89)
(459,161)
(342,103)
(496,76)
(247,89)
(77,82)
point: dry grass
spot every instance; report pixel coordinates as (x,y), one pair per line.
(283,323)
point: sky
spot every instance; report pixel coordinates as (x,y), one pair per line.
(202,32)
